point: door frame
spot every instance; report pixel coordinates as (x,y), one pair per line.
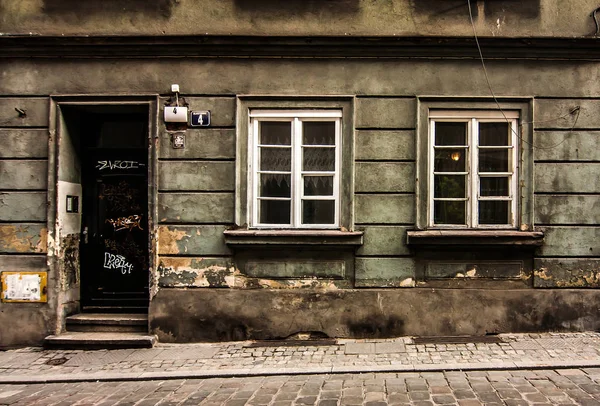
(67,301)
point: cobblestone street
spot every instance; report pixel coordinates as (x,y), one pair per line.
(509,369)
(526,387)
(510,351)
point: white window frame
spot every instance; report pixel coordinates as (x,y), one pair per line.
(296,118)
(472,118)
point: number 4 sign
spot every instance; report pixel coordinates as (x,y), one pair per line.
(200,118)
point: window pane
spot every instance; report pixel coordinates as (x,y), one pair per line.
(450,160)
(275,132)
(318,159)
(318,186)
(274,211)
(494,134)
(272,185)
(450,133)
(450,186)
(493,186)
(275,159)
(449,212)
(318,133)
(318,211)
(494,160)
(494,212)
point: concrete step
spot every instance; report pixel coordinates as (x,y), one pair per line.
(94,341)
(108,322)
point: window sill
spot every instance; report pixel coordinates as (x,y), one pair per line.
(253,238)
(475,237)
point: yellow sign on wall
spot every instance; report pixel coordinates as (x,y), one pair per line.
(24,287)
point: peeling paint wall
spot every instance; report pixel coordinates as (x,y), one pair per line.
(23,215)
(197,186)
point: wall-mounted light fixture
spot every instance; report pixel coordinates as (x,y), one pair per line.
(176,113)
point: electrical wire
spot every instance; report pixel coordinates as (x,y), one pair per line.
(577,109)
(595,17)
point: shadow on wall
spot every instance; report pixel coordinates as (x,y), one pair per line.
(291,7)
(156,8)
(492,9)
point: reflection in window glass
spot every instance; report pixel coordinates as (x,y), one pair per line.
(494,186)
(318,211)
(450,212)
(494,212)
(491,160)
(450,160)
(275,211)
(494,134)
(450,186)
(450,133)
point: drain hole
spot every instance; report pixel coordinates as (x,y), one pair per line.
(57,361)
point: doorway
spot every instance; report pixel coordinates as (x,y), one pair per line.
(111,142)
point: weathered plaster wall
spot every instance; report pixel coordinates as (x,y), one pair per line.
(196,197)
(23,208)
(371,77)
(567,186)
(525,18)
(219,315)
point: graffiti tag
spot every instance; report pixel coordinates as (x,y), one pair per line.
(126,223)
(112,261)
(120,197)
(118,165)
(128,248)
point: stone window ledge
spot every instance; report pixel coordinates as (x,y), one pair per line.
(475,237)
(253,238)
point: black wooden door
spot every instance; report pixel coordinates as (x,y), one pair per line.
(114,262)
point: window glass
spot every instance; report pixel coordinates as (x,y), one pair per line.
(494,186)
(473,173)
(318,211)
(318,159)
(275,133)
(450,133)
(494,134)
(318,186)
(450,212)
(494,212)
(318,133)
(296,168)
(275,159)
(450,186)
(492,160)
(450,160)
(275,211)
(275,185)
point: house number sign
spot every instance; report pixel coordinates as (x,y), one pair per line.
(200,118)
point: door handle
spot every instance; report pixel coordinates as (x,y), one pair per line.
(85,234)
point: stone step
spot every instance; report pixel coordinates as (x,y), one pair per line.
(108,322)
(94,340)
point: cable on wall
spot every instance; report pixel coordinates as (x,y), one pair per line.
(575,110)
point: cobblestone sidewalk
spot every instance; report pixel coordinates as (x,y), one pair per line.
(171,361)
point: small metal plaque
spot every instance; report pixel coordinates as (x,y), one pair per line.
(200,118)
(24,287)
(72,204)
(178,140)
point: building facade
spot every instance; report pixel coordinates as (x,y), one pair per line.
(345,168)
